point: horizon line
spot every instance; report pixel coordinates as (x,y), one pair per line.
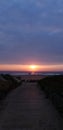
(21,67)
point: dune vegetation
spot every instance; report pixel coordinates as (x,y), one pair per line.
(53,87)
(7,84)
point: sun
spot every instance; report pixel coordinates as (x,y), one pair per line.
(33,67)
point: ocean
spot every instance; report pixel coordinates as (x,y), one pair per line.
(31,73)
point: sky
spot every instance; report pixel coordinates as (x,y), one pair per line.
(31,32)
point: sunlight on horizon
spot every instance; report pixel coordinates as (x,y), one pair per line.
(32,68)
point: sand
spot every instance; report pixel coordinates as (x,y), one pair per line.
(32,77)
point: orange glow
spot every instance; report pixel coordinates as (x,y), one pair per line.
(32,68)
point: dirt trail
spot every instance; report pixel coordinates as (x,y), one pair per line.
(28,109)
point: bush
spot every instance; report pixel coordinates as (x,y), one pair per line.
(53,87)
(8,83)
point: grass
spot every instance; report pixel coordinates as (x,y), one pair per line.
(53,87)
(7,84)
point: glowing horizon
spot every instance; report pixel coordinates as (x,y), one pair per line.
(35,68)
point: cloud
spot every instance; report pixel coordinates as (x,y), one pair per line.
(31,29)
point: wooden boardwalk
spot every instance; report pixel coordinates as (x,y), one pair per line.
(28,109)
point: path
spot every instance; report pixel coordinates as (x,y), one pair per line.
(28,109)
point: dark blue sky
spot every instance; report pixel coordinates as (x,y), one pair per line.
(31,31)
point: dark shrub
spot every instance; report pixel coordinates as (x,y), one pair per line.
(53,87)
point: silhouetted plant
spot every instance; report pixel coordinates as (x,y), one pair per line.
(7,84)
(53,87)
